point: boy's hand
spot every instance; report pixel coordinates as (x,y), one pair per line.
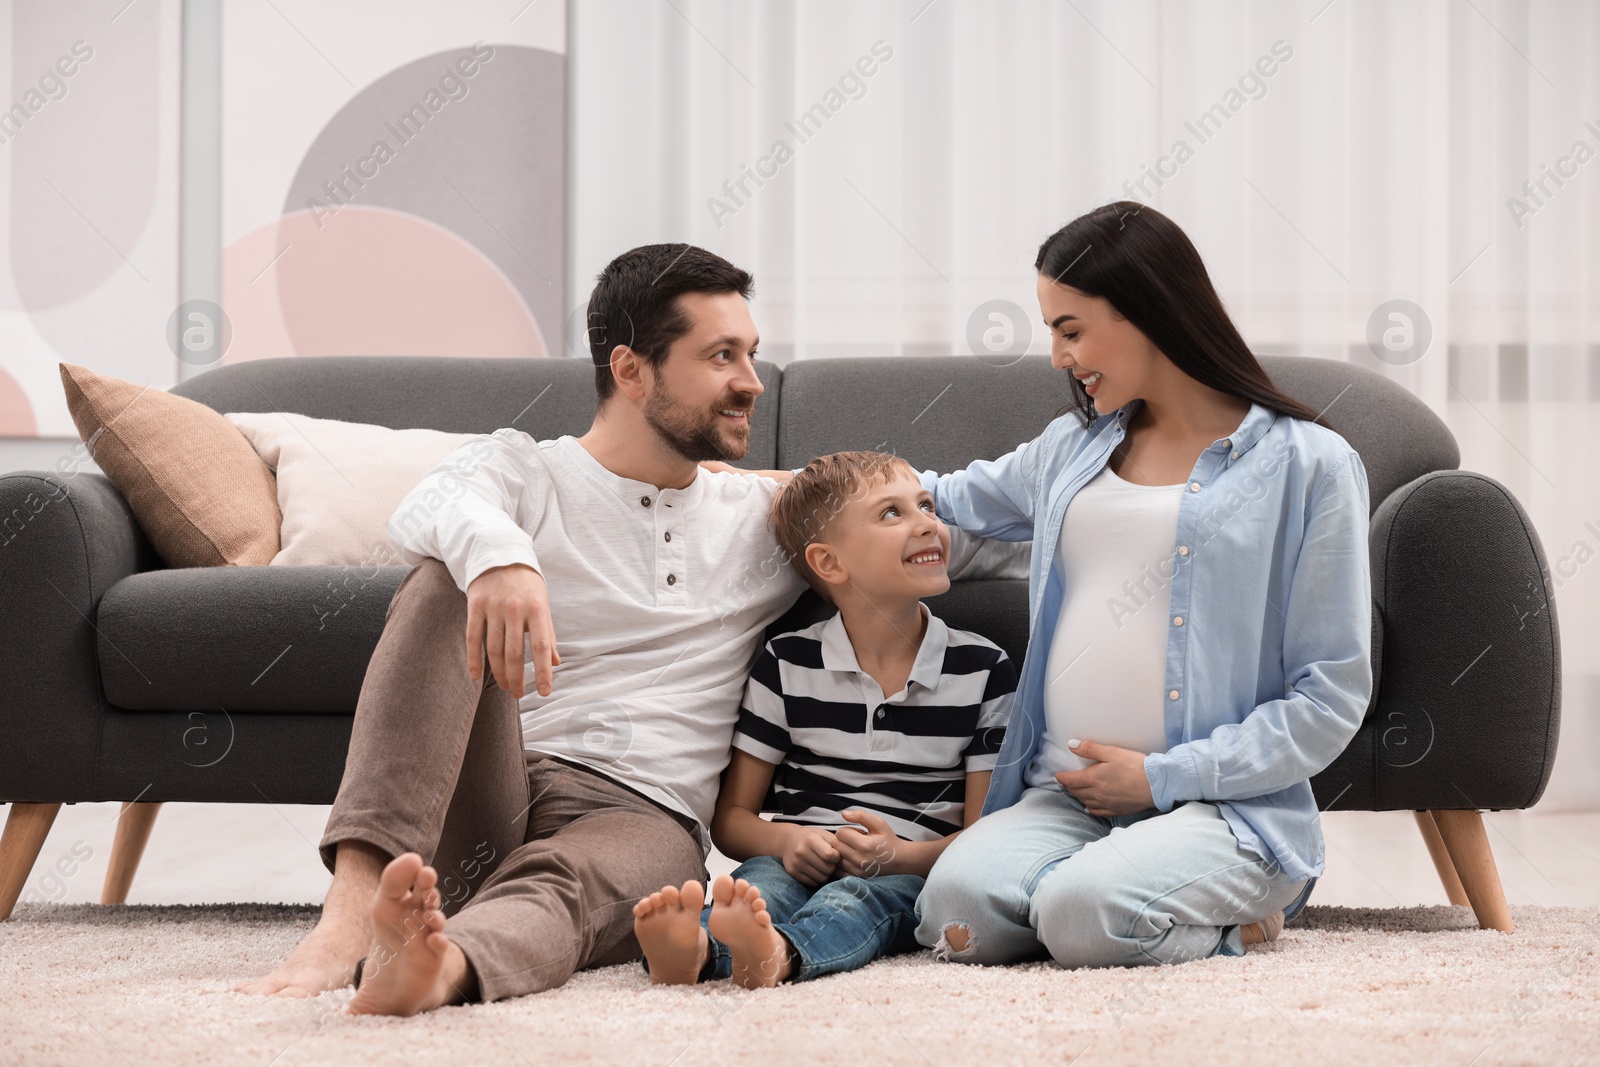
(1115,785)
(870,851)
(810,856)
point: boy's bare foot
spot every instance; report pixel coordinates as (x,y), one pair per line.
(739,919)
(667,924)
(410,967)
(326,958)
(1267,929)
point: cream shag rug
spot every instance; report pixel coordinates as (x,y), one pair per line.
(83,984)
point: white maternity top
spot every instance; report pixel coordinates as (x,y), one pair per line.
(1107,663)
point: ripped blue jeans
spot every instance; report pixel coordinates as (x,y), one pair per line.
(1045,879)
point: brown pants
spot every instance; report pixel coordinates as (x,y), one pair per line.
(540,861)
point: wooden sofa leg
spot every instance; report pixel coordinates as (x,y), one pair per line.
(1467,841)
(127,848)
(26,828)
(1441,859)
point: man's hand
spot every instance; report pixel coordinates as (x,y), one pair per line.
(1115,785)
(870,851)
(504,603)
(810,856)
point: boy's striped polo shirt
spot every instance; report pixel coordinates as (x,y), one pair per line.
(838,743)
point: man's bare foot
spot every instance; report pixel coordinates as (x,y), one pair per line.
(407,970)
(1267,929)
(739,919)
(667,924)
(326,958)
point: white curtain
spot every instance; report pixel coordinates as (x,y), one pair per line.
(1327,158)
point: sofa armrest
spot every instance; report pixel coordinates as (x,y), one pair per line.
(1469,705)
(64,540)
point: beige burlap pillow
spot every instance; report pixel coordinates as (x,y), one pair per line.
(340,482)
(197,487)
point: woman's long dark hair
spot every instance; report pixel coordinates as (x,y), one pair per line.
(1140,262)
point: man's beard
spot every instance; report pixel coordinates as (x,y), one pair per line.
(695,434)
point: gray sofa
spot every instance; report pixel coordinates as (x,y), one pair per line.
(137,683)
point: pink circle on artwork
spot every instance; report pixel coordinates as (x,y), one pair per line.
(369,282)
(16,412)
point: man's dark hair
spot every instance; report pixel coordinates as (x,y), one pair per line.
(635,302)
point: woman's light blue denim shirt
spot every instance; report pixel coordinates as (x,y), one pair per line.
(1269,673)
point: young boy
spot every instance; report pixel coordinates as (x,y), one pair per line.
(873,734)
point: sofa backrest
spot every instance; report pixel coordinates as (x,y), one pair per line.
(937,412)
(545,397)
(1398,436)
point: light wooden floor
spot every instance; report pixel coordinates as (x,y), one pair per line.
(218,853)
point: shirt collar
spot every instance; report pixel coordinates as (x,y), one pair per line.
(631,490)
(838,654)
(1257,421)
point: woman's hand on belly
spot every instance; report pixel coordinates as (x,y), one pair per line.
(1115,784)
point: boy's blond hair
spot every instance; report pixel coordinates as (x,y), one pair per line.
(805,509)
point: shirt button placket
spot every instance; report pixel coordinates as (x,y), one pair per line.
(669,559)
(673,555)
(1180,586)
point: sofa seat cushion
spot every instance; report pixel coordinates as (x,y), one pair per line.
(298,639)
(263,638)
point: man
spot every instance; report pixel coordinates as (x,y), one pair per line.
(537,837)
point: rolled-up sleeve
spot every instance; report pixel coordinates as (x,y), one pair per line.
(1327,654)
(475,508)
(982,557)
(993,498)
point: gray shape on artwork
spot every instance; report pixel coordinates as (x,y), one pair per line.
(483,156)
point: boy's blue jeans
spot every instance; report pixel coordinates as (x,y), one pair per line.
(838,926)
(1045,878)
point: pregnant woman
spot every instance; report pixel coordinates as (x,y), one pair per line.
(1200,613)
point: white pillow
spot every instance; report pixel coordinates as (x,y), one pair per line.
(340,482)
